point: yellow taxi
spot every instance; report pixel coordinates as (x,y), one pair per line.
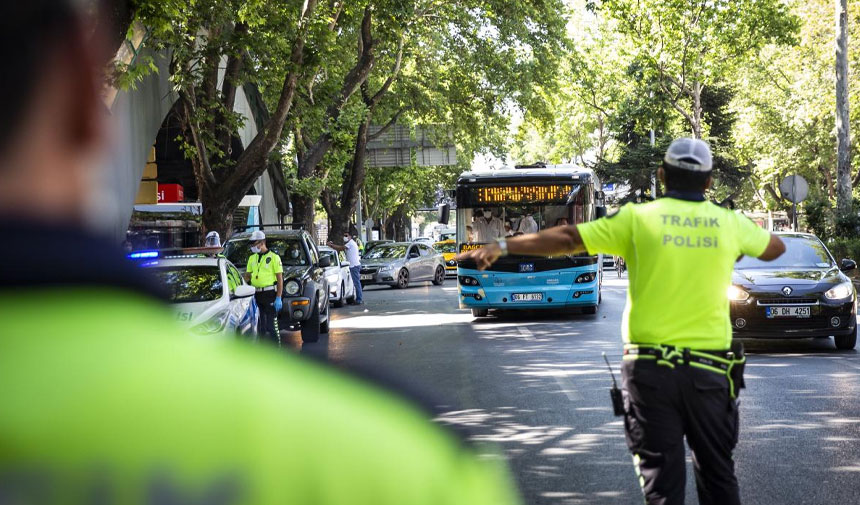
(448,248)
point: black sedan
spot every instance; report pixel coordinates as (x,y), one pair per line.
(801,294)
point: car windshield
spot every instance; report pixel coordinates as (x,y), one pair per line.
(331,255)
(288,248)
(800,252)
(449,247)
(386,251)
(189,284)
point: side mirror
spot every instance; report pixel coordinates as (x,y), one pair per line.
(243,291)
(847,265)
(413,255)
(600,211)
(444,213)
(325,261)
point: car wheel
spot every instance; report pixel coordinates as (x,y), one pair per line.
(846,342)
(311,327)
(339,301)
(480,312)
(402,279)
(439,278)
(590,309)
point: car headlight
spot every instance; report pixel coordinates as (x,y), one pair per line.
(386,268)
(291,287)
(840,291)
(214,324)
(736,294)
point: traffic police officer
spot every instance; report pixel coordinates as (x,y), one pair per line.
(105,397)
(266,273)
(680,375)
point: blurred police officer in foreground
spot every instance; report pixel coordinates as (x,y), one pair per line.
(105,399)
(681,373)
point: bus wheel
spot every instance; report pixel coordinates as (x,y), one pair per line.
(480,312)
(592,309)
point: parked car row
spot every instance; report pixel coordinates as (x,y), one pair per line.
(209,292)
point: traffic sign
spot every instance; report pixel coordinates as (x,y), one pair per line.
(794,188)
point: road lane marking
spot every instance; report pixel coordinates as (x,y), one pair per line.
(526,333)
(567,388)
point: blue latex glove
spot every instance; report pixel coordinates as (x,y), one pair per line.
(279,304)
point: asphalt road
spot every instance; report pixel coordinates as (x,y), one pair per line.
(535,385)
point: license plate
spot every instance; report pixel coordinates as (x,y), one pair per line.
(527,267)
(366,277)
(527,297)
(773,312)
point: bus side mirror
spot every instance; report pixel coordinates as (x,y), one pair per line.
(444,213)
(600,211)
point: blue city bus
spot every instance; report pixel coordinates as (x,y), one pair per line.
(525,200)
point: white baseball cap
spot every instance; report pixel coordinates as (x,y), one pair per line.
(257,236)
(689,154)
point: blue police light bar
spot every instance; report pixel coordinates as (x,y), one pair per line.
(143,254)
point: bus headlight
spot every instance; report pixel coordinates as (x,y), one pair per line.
(465,280)
(586,277)
(736,294)
(840,291)
(291,287)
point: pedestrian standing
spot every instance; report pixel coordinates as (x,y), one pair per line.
(681,373)
(354,260)
(266,273)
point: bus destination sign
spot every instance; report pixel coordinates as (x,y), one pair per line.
(550,193)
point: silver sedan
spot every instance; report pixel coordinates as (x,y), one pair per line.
(400,263)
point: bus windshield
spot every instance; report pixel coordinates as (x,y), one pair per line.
(486,224)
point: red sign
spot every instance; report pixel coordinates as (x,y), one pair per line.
(170,193)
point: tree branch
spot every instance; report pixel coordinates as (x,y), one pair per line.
(388,125)
(205,176)
(374,100)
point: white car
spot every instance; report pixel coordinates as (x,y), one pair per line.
(340,286)
(207,293)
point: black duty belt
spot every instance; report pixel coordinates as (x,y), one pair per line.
(728,363)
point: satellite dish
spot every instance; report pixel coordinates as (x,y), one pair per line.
(794,188)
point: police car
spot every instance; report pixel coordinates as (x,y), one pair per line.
(206,291)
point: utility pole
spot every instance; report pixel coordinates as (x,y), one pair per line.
(654,173)
(843,132)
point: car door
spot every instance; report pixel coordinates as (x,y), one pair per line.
(344,274)
(316,273)
(426,261)
(413,262)
(244,310)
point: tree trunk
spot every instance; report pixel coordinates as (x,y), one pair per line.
(843,134)
(217,214)
(697,110)
(304,211)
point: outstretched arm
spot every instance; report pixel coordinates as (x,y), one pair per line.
(549,242)
(336,247)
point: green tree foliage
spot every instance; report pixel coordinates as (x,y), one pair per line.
(217,46)
(459,67)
